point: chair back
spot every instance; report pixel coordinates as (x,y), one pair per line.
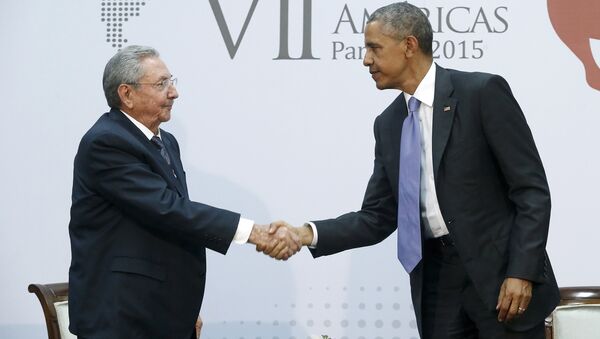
(578,314)
(48,294)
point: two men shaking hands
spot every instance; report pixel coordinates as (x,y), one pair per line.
(280,240)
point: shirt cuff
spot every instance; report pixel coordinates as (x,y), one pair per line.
(243,231)
(315,239)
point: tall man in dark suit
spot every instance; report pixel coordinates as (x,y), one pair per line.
(137,240)
(461,179)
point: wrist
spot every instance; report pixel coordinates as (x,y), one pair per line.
(256,234)
(306,235)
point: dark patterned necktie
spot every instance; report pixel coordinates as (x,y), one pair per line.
(163,152)
(409,188)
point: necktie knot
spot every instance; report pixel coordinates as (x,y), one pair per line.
(413,105)
(157,142)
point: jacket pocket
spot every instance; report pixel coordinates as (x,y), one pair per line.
(139,266)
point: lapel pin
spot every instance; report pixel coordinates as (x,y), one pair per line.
(446,108)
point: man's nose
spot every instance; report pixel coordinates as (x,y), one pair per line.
(172,93)
(367,60)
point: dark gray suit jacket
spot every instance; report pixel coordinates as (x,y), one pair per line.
(137,241)
(490,184)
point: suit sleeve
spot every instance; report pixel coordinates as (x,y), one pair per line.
(121,174)
(375,221)
(513,146)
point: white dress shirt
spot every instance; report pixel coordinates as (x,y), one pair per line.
(244,228)
(431,214)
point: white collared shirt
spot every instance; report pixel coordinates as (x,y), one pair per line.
(147,132)
(431,214)
(242,234)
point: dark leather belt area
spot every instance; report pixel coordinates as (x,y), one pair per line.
(444,241)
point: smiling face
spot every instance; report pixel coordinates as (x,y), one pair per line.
(386,57)
(149,101)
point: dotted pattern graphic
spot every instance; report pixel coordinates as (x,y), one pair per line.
(372,316)
(115,14)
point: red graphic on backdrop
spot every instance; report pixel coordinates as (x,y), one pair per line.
(576,22)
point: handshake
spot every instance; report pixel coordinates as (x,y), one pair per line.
(280,240)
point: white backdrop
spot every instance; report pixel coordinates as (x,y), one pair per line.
(273,138)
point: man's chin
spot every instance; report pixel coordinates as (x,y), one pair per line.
(380,85)
(165,116)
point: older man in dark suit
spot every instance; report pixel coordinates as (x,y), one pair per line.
(137,240)
(458,174)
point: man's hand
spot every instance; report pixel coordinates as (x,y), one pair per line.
(198,327)
(514,298)
(303,236)
(276,240)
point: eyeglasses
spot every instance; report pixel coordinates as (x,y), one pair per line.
(161,85)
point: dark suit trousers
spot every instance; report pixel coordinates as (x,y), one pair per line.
(451,307)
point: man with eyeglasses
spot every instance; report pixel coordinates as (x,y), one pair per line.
(137,240)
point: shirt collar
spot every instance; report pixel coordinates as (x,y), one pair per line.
(147,132)
(426,89)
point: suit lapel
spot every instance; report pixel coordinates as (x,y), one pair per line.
(400,112)
(176,163)
(444,107)
(165,171)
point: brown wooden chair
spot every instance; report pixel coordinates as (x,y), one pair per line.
(574,296)
(48,294)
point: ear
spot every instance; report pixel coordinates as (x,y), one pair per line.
(412,46)
(125,94)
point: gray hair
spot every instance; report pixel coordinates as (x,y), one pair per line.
(402,19)
(125,67)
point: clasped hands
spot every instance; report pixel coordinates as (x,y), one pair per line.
(280,240)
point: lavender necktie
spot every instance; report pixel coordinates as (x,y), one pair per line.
(409,182)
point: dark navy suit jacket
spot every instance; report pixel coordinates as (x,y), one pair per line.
(490,184)
(137,241)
